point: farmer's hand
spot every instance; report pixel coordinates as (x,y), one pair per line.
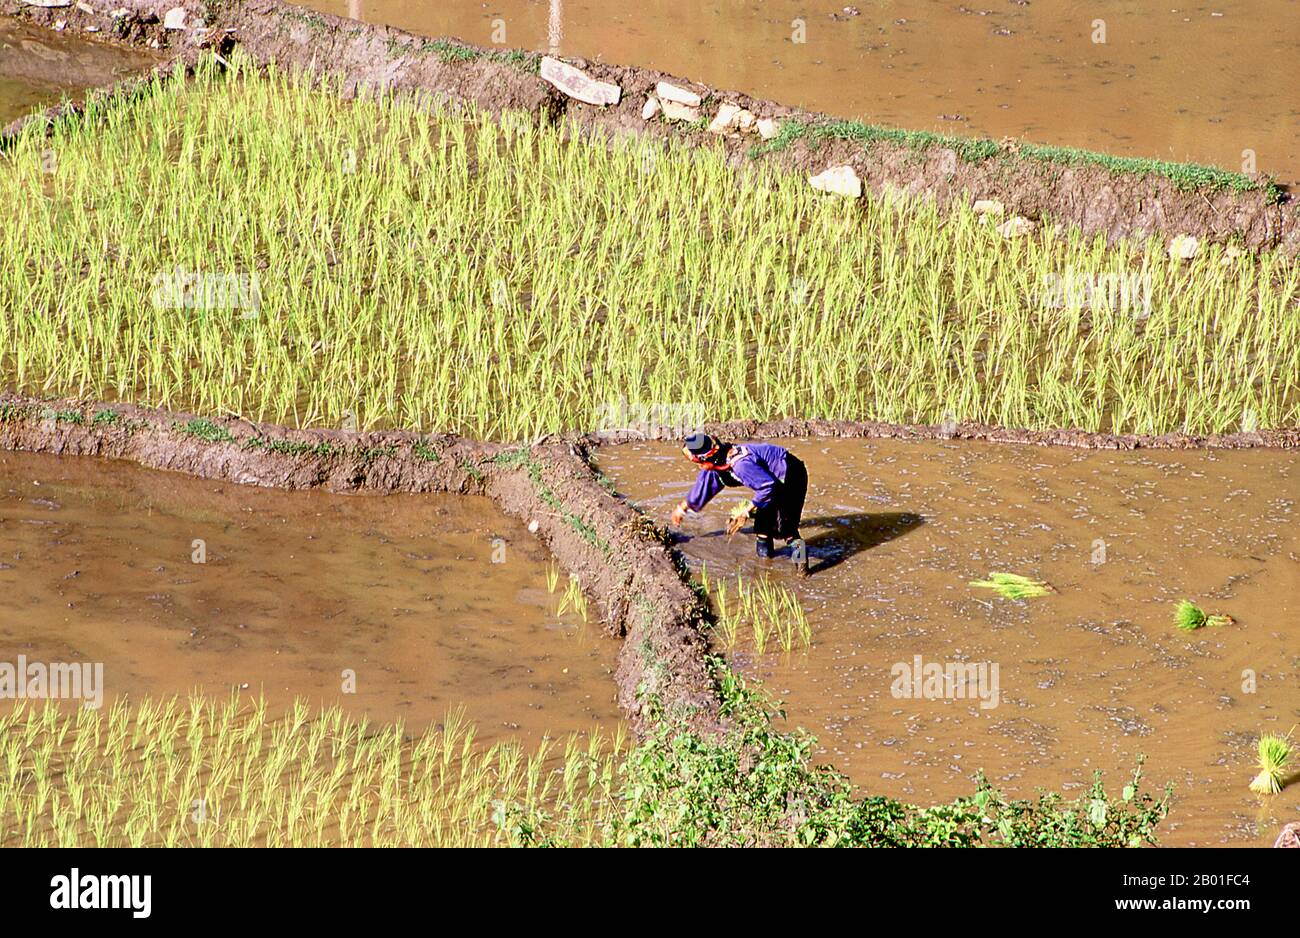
(679,513)
(742,511)
(739,515)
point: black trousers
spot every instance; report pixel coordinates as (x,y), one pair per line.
(780,517)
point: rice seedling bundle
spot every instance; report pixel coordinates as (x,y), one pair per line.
(573,598)
(1013,586)
(420,266)
(1274,754)
(1189,617)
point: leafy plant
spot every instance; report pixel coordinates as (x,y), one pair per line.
(205,429)
(63,416)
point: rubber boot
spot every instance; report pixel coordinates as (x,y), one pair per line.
(763,547)
(799,554)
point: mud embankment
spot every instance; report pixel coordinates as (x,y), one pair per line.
(619,560)
(872,429)
(1096,199)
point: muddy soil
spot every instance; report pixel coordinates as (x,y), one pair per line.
(40,66)
(622,566)
(1164,83)
(1095,199)
(1089,676)
(429,602)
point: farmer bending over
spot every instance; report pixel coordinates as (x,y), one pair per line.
(777,477)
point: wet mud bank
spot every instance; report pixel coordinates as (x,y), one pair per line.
(1063,189)
(619,560)
(1282,438)
(40,66)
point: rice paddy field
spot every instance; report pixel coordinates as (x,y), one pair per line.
(198,771)
(1094,667)
(395,263)
(245,242)
(392,608)
(1166,82)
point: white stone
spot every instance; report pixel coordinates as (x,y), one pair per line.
(175,18)
(989,207)
(533,526)
(745,121)
(578,84)
(767,128)
(119,13)
(85,8)
(48,4)
(1184,248)
(726,120)
(667,92)
(839,180)
(1015,226)
(651,108)
(676,111)
(60,25)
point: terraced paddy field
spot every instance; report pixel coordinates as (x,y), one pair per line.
(1088,676)
(396,607)
(381,264)
(1056,73)
(238,244)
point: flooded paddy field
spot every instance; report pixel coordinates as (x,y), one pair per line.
(1088,676)
(297,592)
(39,67)
(1162,82)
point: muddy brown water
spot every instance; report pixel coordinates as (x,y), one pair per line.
(1088,677)
(97,565)
(1201,83)
(39,66)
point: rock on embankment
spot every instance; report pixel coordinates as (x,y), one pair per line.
(622,99)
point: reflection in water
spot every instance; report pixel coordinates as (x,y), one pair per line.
(1091,675)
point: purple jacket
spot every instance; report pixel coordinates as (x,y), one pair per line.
(758,466)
